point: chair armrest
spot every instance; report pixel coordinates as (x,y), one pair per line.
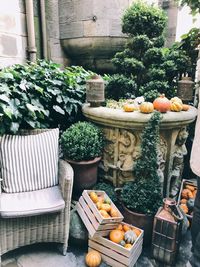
(65,176)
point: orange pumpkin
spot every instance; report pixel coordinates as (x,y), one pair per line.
(129,107)
(94,197)
(184,208)
(185,107)
(161,104)
(114,212)
(116,236)
(104,214)
(128,246)
(137,231)
(186,193)
(126,227)
(146,107)
(119,227)
(183,201)
(190,187)
(93,258)
(105,207)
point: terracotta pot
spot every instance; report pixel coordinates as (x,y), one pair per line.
(85,175)
(139,220)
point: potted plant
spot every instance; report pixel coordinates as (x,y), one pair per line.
(82,145)
(142,197)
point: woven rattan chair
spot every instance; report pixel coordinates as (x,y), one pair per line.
(48,227)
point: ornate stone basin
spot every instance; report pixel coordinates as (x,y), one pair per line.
(123,137)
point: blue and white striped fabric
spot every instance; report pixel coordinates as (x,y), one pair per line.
(29,162)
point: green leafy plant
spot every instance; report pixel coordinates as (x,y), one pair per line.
(82,141)
(145,62)
(40,95)
(143,195)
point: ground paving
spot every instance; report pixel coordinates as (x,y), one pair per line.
(46,255)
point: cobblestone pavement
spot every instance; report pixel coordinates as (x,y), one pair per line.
(46,255)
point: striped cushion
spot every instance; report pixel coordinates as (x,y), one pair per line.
(29,162)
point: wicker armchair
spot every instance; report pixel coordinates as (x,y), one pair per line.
(48,227)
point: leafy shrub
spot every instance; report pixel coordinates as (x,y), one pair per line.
(82,141)
(40,95)
(119,86)
(143,195)
(145,61)
(143,19)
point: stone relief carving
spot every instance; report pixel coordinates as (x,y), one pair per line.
(161,159)
(178,160)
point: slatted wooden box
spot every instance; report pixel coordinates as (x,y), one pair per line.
(114,254)
(184,183)
(95,223)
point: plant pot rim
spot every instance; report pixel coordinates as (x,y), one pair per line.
(137,213)
(84,162)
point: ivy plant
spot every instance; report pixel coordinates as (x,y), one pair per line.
(40,95)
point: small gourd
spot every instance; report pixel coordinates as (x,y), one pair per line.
(184,208)
(114,212)
(129,107)
(116,236)
(176,106)
(190,187)
(130,236)
(122,243)
(128,246)
(190,203)
(106,207)
(93,258)
(185,107)
(176,99)
(94,197)
(104,213)
(146,107)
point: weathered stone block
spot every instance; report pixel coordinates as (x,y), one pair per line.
(71,30)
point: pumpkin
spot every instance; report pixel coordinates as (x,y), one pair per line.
(99,204)
(190,187)
(186,193)
(119,227)
(185,107)
(128,246)
(137,231)
(106,207)
(176,99)
(190,203)
(146,107)
(104,214)
(126,227)
(94,197)
(184,208)
(114,212)
(130,236)
(93,258)
(116,236)
(129,107)
(183,201)
(176,106)
(161,103)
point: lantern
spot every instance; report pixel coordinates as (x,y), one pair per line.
(185,89)
(95,91)
(167,232)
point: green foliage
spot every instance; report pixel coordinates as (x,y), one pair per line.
(141,18)
(154,69)
(193,4)
(82,141)
(40,95)
(119,86)
(108,188)
(143,195)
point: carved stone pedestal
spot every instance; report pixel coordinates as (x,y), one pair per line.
(123,137)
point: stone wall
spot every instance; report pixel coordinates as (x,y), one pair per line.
(13,35)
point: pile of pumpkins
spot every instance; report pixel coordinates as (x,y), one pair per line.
(188,195)
(124,235)
(103,205)
(161,104)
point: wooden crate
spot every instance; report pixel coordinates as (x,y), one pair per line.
(114,254)
(183,184)
(91,217)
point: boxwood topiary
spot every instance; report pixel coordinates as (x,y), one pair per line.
(82,141)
